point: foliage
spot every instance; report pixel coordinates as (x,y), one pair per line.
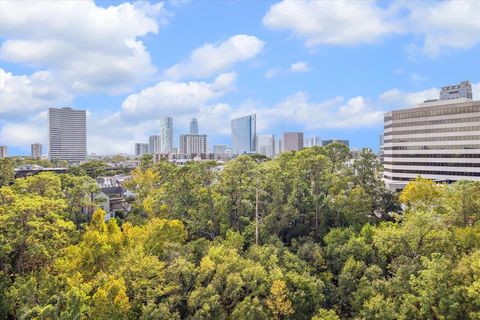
(333,243)
(7,167)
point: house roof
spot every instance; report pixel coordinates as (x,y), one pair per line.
(112,190)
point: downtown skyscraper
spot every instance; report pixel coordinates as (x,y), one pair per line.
(194,126)
(166,135)
(244,132)
(67,134)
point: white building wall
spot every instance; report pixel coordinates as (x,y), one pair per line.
(437,140)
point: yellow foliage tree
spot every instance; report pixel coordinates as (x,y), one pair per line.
(110,301)
(278,302)
(422,194)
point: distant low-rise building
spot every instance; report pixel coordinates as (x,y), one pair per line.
(111,199)
(312,142)
(327,142)
(219,149)
(278,146)
(266,145)
(141,149)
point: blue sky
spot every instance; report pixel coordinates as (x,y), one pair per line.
(329,69)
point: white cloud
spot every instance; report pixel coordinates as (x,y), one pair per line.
(211,59)
(90,48)
(21,95)
(300,66)
(170,98)
(333,113)
(31,130)
(445,24)
(398,98)
(331,22)
(440,25)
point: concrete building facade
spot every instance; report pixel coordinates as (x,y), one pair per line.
(193,143)
(292,141)
(67,138)
(438,140)
(266,145)
(141,149)
(463,90)
(36,150)
(312,142)
(166,135)
(3,152)
(154,144)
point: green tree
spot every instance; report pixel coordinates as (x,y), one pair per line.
(7,167)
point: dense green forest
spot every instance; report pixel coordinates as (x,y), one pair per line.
(302,236)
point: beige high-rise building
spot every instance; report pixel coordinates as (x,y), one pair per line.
(36,150)
(438,140)
(292,141)
(193,143)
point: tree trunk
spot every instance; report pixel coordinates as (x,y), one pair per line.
(256,216)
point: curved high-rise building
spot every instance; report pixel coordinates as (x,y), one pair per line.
(194,126)
(166,135)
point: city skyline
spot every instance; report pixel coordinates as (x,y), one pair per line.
(320,81)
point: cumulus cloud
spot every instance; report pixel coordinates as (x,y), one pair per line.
(445,24)
(396,98)
(23,133)
(440,25)
(399,98)
(211,59)
(24,94)
(331,22)
(300,66)
(298,110)
(168,98)
(90,48)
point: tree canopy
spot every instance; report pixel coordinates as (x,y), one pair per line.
(333,243)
